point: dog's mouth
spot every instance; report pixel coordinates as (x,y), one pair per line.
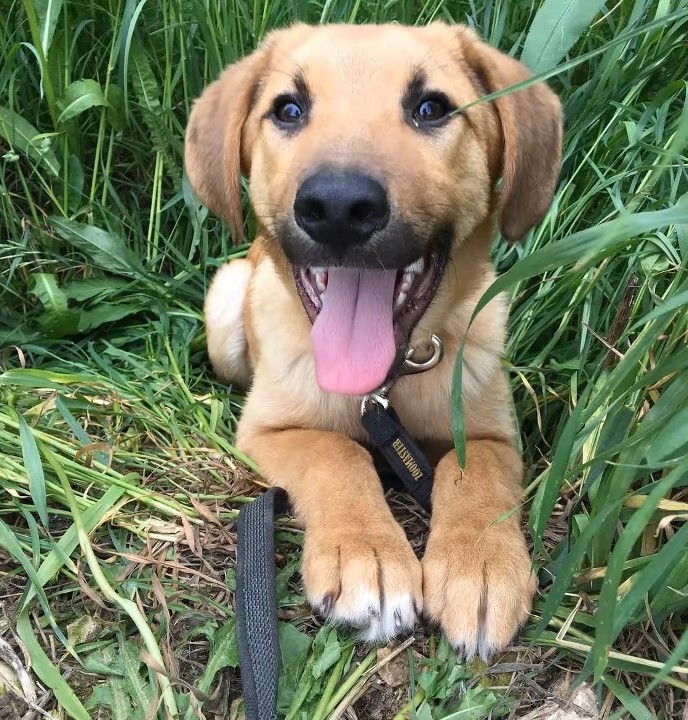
(362,319)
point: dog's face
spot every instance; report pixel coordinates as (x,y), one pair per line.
(367,173)
(363,128)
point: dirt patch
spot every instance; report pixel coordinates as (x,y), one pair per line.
(11,707)
(380,702)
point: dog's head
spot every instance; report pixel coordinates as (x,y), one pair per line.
(365,171)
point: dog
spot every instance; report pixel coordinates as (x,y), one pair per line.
(377,196)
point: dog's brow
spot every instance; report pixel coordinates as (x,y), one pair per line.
(414,88)
(301,86)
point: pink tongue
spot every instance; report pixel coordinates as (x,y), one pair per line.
(353,336)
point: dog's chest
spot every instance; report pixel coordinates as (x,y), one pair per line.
(422,404)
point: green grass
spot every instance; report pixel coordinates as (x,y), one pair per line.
(119,484)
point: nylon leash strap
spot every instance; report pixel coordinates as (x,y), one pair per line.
(256,603)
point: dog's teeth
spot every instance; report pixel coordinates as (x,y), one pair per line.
(416,267)
(406,282)
(321,280)
(401,299)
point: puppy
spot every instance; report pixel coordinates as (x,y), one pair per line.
(376,200)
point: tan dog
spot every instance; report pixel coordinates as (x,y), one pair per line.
(376,202)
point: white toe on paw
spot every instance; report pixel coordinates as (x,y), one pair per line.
(373,585)
(358,608)
(378,621)
(398,616)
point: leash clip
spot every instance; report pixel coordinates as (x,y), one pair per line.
(408,367)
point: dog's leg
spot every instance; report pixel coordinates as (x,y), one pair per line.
(358,567)
(477,579)
(224,327)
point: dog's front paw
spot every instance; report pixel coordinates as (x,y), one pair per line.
(479,588)
(367,579)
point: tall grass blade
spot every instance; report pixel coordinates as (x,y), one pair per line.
(34,469)
(556,27)
(48,13)
(24,138)
(47,672)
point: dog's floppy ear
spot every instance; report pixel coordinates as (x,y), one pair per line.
(213,151)
(531,128)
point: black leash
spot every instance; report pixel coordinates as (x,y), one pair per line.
(255,598)
(256,603)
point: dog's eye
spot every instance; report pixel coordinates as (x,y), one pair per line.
(287,111)
(431,110)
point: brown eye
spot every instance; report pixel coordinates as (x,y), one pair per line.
(287,111)
(431,111)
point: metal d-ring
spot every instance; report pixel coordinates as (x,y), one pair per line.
(411,368)
(408,367)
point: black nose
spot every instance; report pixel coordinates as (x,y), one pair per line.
(341,208)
